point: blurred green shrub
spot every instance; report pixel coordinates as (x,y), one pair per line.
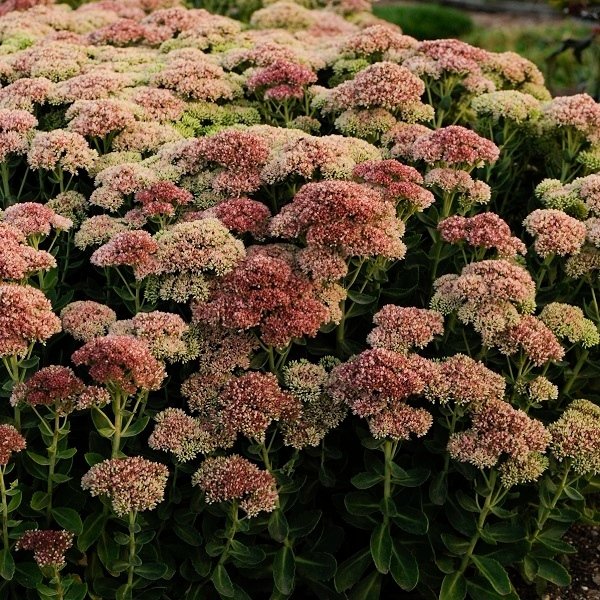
(427,22)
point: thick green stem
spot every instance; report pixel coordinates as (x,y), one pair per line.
(388,452)
(578,366)
(231,531)
(52,450)
(132,516)
(4,509)
(545,511)
(58,586)
(117,406)
(490,500)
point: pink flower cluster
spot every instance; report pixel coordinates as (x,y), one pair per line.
(10,441)
(162,198)
(281,80)
(35,219)
(555,232)
(178,433)
(18,260)
(86,320)
(26,317)
(16,126)
(401,329)
(59,388)
(348,217)
(227,478)
(122,362)
(486,230)
(49,547)
(132,484)
(267,290)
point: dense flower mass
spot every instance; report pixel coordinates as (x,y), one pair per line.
(229,478)
(49,547)
(122,361)
(131,484)
(86,320)
(10,441)
(26,317)
(555,232)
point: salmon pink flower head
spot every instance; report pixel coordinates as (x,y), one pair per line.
(178,433)
(26,317)
(59,388)
(399,184)
(251,402)
(401,138)
(166,334)
(16,127)
(133,249)
(455,146)
(454,56)
(60,149)
(95,85)
(25,93)
(10,441)
(18,260)
(401,328)
(49,547)
(576,437)
(162,198)
(456,181)
(376,384)
(122,362)
(373,41)
(158,104)
(485,230)
(346,216)
(281,80)
(534,338)
(555,232)
(86,320)
(268,290)
(242,215)
(227,478)
(461,380)
(498,431)
(132,484)
(35,219)
(382,85)
(579,112)
(98,118)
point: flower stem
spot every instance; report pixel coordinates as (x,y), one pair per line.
(52,450)
(60,592)
(132,515)
(231,531)
(578,366)
(4,508)
(118,424)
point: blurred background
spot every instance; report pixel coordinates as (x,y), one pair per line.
(562,37)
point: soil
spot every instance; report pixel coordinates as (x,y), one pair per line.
(583,566)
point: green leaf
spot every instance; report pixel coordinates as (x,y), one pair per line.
(284,570)
(7,564)
(412,520)
(556,545)
(222,582)
(278,525)
(368,589)
(404,567)
(101,424)
(351,570)
(93,458)
(38,458)
(15,501)
(360,503)
(381,547)
(573,494)
(366,480)
(317,566)
(304,524)
(247,557)
(456,545)
(92,529)
(438,488)
(76,591)
(136,427)
(479,588)
(411,478)
(552,571)
(151,570)
(454,587)
(39,501)
(189,534)
(494,572)
(28,575)
(68,519)
(125,592)
(358,298)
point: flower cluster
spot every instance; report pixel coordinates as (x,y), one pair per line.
(10,441)
(223,479)
(131,484)
(49,547)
